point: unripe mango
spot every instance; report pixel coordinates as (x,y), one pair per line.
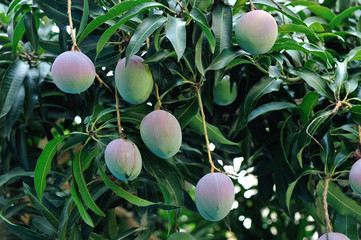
(334,236)
(134,81)
(73,72)
(256,32)
(223,93)
(355,177)
(161,133)
(181,236)
(214,196)
(123,159)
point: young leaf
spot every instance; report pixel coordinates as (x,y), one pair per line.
(175,31)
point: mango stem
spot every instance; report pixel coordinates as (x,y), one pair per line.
(325,206)
(158,98)
(71,27)
(252,5)
(118,112)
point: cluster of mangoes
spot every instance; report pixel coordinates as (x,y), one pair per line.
(73,72)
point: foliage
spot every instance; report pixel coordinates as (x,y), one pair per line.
(294,121)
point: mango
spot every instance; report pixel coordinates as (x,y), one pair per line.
(181,236)
(256,32)
(123,159)
(214,196)
(73,72)
(223,93)
(134,81)
(161,133)
(334,236)
(355,177)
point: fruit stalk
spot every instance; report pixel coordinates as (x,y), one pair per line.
(118,112)
(359,134)
(71,27)
(205,129)
(252,6)
(325,206)
(158,98)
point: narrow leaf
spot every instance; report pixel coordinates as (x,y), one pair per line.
(175,31)
(10,85)
(315,81)
(31,31)
(198,55)
(224,58)
(84,18)
(269,107)
(83,189)
(43,165)
(143,31)
(222,28)
(186,113)
(336,20)
(76,198)
(201,20)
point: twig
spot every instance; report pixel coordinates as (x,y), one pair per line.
(325,206)
(158,98)
(280,8)
(118,113)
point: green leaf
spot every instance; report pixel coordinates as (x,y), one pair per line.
(309,101)
(198,55)
(328,150)
(290,27)
(12,174)
(322,11)
(121,192)
(76,198)
(84,18)
(18,34)
(82,186)
(269,107)
(214,133)
(160,55)
(10,85)
(336,20)
(127,16)
(339,201)
(356,114)
(222,28)
(31,31)
(284,10)
(58,12)
(201,20)
(315,81)
(341,76)
(31,84)
(186,113)
(49,211)
(224,58)
(346,225)
(43,165)
(115,11)
(292,186)
(14,112)
(175,31)
(143,31)
(265,86)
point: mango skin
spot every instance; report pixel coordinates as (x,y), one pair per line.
(355,177)
(73,72)
(256,32)
(161,133)
(134,82)
(214,196)
(181,236)
(334,236)
(222,92)
(123,159)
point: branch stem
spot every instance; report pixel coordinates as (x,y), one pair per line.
(325,206)
(252,6)
(159,102)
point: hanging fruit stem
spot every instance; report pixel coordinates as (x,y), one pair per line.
(252,6)
(325,206)
(158,98)
(118,112)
